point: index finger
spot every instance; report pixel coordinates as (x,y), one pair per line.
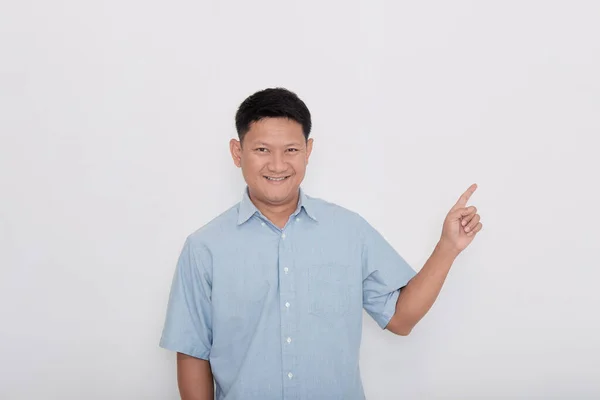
(462,201)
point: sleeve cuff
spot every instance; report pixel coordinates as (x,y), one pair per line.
(172,345)
(383,319)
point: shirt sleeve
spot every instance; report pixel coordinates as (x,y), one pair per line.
(188,324)
(385,272)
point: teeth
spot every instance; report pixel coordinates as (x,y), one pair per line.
(275,179)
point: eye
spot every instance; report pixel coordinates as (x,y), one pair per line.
(292,150)
(261,149)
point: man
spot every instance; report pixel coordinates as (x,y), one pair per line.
(267,298)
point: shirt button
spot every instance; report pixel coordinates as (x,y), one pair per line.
(283,235)
(262,223)
(297,219)
(287,305)
(290,375)
(286,269)
(289,340)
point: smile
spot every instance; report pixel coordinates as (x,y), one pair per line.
(269,178)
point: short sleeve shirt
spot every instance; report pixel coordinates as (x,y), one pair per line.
(278,312)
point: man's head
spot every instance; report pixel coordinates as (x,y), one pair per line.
(273,128)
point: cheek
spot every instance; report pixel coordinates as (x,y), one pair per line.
(252,166)
(300,167)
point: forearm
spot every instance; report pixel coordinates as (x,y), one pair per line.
(194,378)
(420,293)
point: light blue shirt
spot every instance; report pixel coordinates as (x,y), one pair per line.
(278,312)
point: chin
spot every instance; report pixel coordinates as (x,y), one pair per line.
(278,194)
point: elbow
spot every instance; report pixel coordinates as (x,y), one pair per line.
(402,331)
(398,329)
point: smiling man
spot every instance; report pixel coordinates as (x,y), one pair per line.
(267,298)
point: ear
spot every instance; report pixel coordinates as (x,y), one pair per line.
(309,146)
(235,146)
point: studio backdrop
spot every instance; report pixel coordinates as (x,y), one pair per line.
(115,118)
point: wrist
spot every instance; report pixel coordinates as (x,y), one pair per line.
(447,249)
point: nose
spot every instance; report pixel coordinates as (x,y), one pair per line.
(277,163)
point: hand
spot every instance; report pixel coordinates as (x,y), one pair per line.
(461,224)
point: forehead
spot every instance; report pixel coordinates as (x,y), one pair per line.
(275,130)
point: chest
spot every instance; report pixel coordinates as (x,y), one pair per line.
(313,271)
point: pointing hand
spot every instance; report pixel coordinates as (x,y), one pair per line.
(461,224)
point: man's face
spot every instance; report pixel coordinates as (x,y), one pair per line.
(273,156)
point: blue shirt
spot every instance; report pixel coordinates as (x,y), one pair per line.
(278,312)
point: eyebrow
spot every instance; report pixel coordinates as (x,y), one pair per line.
(297,144)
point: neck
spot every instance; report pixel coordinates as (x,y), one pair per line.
(278,214)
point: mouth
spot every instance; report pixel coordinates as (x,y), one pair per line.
(275,179)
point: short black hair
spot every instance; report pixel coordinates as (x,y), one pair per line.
(274,103)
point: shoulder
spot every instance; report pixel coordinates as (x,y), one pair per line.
(215,231)
(345,221)
(332,213)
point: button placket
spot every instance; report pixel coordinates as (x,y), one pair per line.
(288,314)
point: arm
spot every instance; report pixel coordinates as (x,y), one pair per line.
(194,377)
(188,323)
(417,297)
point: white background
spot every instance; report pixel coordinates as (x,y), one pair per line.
(115,118)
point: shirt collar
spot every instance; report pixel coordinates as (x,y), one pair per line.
(247,209)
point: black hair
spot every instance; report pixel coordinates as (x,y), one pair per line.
(272,102)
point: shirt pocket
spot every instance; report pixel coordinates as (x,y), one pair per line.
(328,290)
